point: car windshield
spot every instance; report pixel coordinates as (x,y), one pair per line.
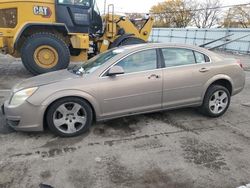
(96,62)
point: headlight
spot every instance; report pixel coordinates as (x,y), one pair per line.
(20,96)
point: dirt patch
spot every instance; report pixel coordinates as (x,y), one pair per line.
(156,178)
(166,118)
(149,144)
(13,174)
(45,174)
(53,152)
(119,174)
(118,128)
(57,151)
(122,176)
(62,142)
(79,178)
(204,154)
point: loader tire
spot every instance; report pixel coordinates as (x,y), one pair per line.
(44,52)
(131,41)
(126,41)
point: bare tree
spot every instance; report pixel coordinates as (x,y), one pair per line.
(207,14)
(238,16)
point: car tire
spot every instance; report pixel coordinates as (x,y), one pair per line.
(69,117)
(216,101)
(44,52)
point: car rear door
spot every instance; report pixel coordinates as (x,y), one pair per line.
(138,90)
(184,76)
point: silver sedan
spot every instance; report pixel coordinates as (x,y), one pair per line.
(125,81)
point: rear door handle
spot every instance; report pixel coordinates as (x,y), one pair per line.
(154,75)
(204,70)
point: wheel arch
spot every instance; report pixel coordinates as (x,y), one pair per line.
(222,80)
(31,28)
(86,97)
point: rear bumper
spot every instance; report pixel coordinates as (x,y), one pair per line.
(25,117)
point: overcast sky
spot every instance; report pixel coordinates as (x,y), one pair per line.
(142,6)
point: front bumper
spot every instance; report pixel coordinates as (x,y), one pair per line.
(26,117)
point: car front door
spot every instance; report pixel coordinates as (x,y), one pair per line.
(139,89)
(184,76)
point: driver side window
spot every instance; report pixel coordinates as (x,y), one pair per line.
(140,61)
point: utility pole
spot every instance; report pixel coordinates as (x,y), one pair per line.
(105,5)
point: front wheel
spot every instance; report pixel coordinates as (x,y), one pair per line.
(216,101)
(69,117)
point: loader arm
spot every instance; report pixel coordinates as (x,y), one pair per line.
(142,33)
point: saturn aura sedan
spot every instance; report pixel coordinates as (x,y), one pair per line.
(125,81)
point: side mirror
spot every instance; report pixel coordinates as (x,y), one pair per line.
(115,70)
(123,18)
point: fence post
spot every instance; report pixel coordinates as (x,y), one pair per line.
(205,37)
(186,36)
(171,35)
(195,35)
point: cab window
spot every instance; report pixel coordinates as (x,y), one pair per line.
(178,56)
(140,61)
(75,2)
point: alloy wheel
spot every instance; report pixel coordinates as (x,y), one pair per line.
(218,102)
(69,118)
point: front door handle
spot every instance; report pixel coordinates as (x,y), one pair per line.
(204,69)
(154,75)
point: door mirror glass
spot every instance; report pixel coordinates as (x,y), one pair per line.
(115,70)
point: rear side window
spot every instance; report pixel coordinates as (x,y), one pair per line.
(178,56)
(201,58)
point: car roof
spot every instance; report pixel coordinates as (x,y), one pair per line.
(138,47)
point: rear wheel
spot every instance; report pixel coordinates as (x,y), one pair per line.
(45,52)
(216,101)
(69,117)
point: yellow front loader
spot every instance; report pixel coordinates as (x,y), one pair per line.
(48,34)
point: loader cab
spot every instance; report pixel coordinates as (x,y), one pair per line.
(80,16)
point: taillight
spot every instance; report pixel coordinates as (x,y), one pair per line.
(239,63)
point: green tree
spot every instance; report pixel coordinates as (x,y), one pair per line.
(173,13)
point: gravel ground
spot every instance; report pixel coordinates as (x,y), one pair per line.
(170,149)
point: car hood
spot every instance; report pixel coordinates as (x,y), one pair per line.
(45,79)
